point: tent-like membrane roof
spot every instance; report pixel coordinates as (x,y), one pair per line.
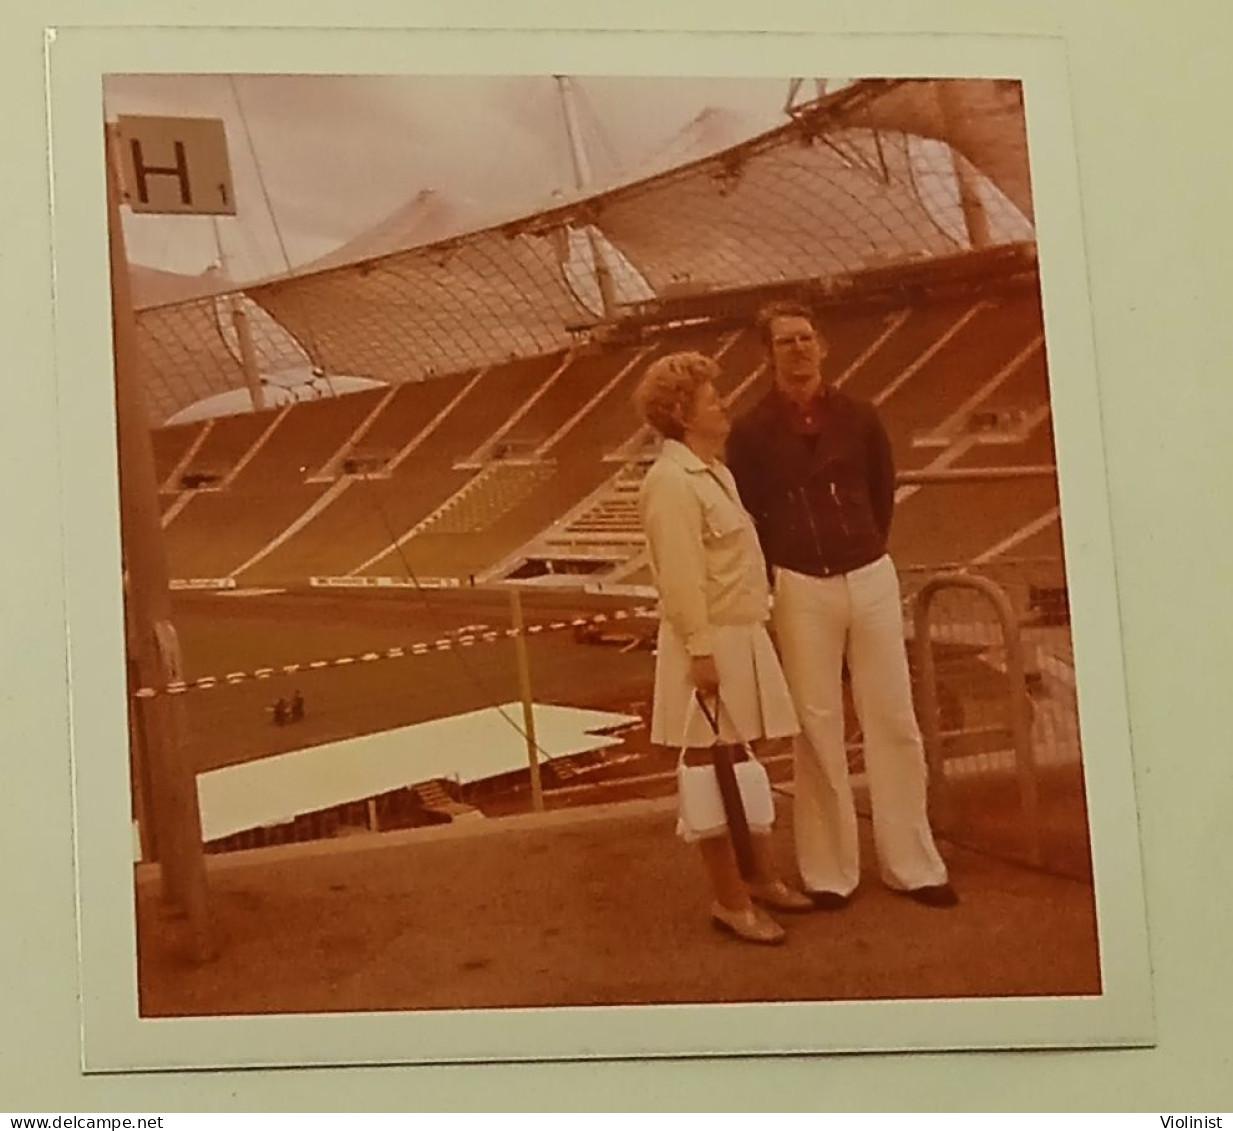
(866,177)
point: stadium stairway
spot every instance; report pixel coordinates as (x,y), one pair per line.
(491,493)
(605,526)
(616,512)
(433,798)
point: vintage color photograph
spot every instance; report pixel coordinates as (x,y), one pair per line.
(590,542)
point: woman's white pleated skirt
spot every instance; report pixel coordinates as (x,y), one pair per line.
(752,689)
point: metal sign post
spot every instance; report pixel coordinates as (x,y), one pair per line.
(169,799)
(524,687)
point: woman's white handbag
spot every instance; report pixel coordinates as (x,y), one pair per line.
(700,805)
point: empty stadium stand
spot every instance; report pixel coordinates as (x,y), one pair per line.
(531,467)
(367,522)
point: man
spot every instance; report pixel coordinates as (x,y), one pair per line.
(814,468)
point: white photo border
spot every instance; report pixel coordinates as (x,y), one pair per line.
(114,1037)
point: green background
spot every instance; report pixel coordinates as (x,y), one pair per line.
(1150,119)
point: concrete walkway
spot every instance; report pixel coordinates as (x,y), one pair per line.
(596,906)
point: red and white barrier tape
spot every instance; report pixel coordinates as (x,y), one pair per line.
(398,652)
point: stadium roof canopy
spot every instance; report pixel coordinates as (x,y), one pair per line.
(863,178)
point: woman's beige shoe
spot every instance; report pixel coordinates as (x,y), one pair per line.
(778,896)
(748,925)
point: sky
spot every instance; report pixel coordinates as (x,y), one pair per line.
(316,160)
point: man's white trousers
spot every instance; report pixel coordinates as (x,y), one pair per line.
(819,621)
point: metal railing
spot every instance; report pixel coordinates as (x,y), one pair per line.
(1018,704)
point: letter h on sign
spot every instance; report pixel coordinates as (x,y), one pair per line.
(142,171)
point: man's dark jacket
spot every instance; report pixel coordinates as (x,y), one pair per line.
(822,502)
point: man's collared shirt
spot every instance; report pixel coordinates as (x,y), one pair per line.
(804,419)
(703,547)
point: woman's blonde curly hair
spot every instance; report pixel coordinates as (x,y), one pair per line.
(668,391)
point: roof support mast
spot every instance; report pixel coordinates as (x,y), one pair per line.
(794,88)
(243,331)
(583,180)
(975,218)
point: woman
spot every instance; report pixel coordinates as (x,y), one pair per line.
(713,643)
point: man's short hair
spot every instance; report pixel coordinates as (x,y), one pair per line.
(783,308)
(666,395)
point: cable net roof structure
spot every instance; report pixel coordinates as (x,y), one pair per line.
(982,118)
(868,177)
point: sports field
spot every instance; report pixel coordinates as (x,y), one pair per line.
(231,634)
